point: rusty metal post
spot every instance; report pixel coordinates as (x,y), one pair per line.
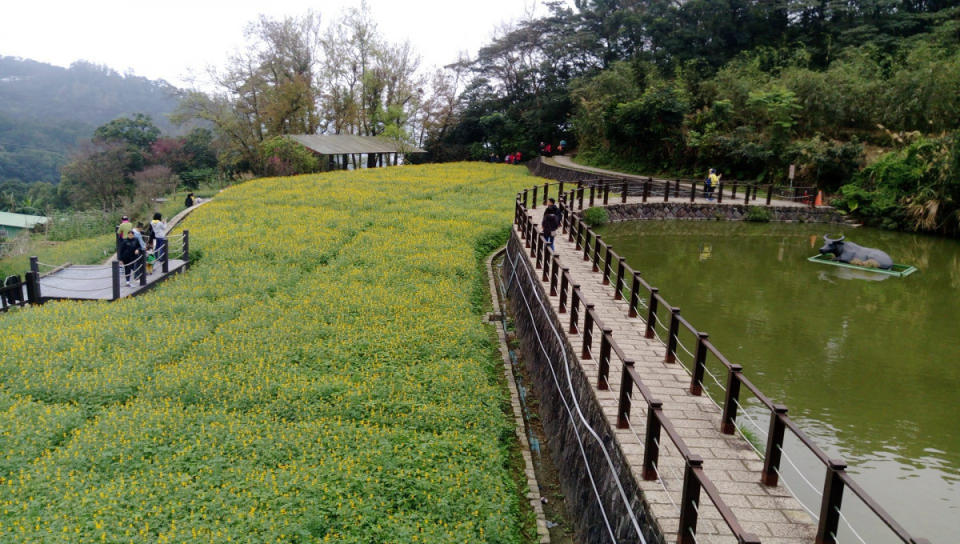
(652,313)
(618,295)
(690,500)
(574,307)
(603,369)
(587,331)
(634,294)
(626,388)
(731,399)
(830,506)
(671,356)
(771,461)
(651,452)
(700,365)
(564,282)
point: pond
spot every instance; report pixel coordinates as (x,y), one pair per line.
(868,365)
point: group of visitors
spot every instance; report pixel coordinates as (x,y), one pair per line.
(548,150)
(139,246)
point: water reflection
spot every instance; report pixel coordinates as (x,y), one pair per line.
(867,361)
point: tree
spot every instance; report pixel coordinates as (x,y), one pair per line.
(97,176)
(137,134)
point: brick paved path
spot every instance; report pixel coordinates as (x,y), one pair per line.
(729,461)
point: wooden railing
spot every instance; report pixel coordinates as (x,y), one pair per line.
(12,291)
(645,300)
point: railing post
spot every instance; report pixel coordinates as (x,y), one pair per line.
(527,234)
(554,271)
(733,191)
(564,282)
(587,331)
(634,294)
(729,419)
(546,190)
(671,356)
(769,193)
(574,307)
(580,196)
(579,235)
(186,246)
(676,187)
(746,197)
(666,190)
(606,193)
(626,389)
(652,313)
(115,266)
(699,365)
(586,244)
(35,266)
(603,369)
(593,190)
(651,452)
(720,193)
(618,295)
(525,204)
(690,500)
(693,191)
(623,192)
(597,239)
(143,268)
(771,461)
(830,506)
(32,281)
(560,191)
(646,190)
(534,199)
(607,267)
(534,238)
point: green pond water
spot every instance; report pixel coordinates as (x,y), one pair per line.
(868,365)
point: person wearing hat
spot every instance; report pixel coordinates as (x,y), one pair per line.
(711,183)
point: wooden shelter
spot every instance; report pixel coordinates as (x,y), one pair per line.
(344,151)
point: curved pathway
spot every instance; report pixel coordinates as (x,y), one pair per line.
(730,462)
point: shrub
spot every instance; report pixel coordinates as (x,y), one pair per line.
(596,216)
(757,214)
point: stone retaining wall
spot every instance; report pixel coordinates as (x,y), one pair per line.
(724,212)
(543,354)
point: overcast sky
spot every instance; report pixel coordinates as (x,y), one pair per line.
(171,39)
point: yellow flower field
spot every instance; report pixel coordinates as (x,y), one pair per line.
(321,374)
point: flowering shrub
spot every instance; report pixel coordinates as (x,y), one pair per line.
(321,375)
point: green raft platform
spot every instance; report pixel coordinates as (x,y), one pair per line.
(898,270)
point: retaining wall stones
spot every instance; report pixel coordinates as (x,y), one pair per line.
(570,441)
(723,212)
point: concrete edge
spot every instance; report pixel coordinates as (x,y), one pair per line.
(533,493)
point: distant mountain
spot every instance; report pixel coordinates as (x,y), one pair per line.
(46,110)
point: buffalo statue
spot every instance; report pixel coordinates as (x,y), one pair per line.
(848,252)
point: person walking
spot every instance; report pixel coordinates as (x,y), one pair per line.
(128,254)
(159,228)
(189,201)
(123,228)
(551,221)
(711,183)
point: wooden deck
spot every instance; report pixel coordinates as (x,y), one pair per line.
(78,282)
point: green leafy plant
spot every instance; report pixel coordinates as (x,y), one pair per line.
(596,216)
(757,214)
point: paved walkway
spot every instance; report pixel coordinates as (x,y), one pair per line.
(729,461)
(563,161)
(96,282)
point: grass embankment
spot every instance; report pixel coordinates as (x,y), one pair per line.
(322,374)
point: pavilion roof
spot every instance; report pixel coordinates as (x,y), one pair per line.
(335,144)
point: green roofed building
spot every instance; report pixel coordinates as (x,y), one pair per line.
(345,151)
(12,224)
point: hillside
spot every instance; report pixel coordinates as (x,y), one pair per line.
(46,110)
